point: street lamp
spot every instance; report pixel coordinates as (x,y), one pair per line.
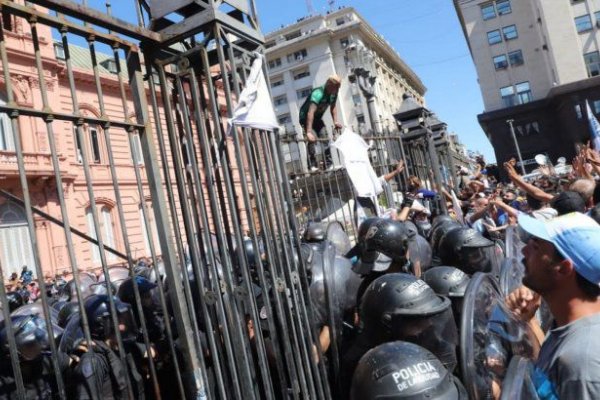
(362,65)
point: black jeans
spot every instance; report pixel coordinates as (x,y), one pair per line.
(320,132)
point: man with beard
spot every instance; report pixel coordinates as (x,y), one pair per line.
(562,266)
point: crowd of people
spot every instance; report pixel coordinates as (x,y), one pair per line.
(114,365)
(427,304)
(414,265)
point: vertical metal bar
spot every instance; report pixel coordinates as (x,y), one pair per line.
(10,332)
(195,386)
(171,198)
(27,200)
(263,363)
(97,229)
(205,226)
(119,203)
(188,225)
(317,372)
(223,162)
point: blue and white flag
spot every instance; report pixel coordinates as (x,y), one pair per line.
(594,126)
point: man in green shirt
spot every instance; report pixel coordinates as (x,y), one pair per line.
(311,118)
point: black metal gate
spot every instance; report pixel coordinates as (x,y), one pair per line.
(130,124)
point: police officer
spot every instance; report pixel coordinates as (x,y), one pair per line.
(382,248)
(33,342)
(399,306)
(468,250)
(450,282)
(99,372)
(402,370)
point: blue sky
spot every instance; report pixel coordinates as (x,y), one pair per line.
(427,35)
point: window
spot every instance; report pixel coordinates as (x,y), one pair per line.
(303,73)
(344,43)
(6,133)
(59,51)
(111,66)
(284,119)
(279,101)
(583,23)
(297,56)
(597,18)
(592,63)
(519,94)
(515,58)
(596,106)
(277,82)
(15,243)
(340,21)
(107,229)
(523,92)
(137,154)
(488,11)
(500,62)
(508,93)
(95,143)
(78,148)
(510,32)
(275,63)
(360,119)
(527,128)
(303,93)
(356,99)
(494,37)
(293,35)
(503,7)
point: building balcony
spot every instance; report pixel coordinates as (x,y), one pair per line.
(37,165)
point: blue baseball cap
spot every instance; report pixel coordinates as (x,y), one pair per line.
(575,235)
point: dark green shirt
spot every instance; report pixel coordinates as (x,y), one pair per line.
(321,99)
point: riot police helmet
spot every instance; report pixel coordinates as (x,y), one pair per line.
(31,335)
(388,237)
(468,250)
(66,312)
(315,232)
(15,300)
(145,287)
(97,309)
(438,231)
(403,370)
(399,306)
(450,282)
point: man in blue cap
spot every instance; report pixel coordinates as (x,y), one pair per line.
(562,266)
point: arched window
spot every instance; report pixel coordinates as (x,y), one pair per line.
(6,134)
(107,229)
(15,245)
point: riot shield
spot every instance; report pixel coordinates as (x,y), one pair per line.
(511,275)
(117,276)
(72,335)
(419,253)
(513,243)
(519,380)
(35,309)
(490,336)
(336,234)
(333,289)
